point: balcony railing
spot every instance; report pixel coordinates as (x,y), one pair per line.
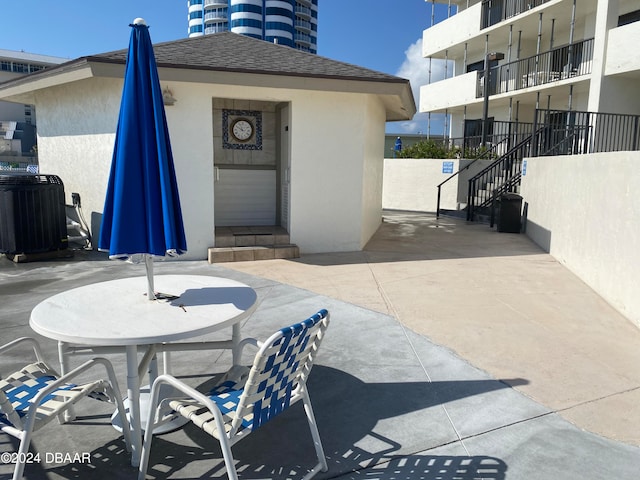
(303,25)
(569,61)
(303,38)
(216,28)
(568,132)
(215,3)
(215,16)
(496,11)
(503,133)
(303,11)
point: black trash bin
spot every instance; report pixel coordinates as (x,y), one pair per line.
(510,213)
(32,214)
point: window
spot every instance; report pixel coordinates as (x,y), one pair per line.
(21,67)
(628,18)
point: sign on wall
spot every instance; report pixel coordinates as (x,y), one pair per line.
(447,167)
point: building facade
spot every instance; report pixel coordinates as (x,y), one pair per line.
(542,54)
(551,89)
(309,124)
(17,120)
(288,22)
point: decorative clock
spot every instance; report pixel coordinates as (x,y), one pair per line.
(242,129)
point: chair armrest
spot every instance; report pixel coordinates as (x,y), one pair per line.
(32,341)
(186,390)
(37,400)
(248,341)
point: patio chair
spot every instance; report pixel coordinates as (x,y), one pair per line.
(246,398)
(32,396)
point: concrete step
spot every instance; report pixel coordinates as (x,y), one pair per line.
(242,244)
(250,253)
(251,236)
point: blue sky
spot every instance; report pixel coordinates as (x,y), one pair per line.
(383,35)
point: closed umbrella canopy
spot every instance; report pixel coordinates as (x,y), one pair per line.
(142,216)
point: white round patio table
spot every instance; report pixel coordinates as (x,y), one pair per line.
(117,313)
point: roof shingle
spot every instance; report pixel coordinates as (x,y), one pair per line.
(232,52)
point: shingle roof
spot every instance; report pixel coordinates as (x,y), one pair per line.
(232,52)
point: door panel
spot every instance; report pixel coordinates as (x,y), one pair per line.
(245,197)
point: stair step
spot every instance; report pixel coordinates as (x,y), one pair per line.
(251,236)
(250,253)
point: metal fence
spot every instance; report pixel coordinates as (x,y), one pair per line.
(560,63)
(495,11)
(568,132)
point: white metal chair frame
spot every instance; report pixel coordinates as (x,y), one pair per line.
(32,396)
(246,398)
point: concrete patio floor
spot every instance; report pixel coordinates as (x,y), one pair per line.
(454,352)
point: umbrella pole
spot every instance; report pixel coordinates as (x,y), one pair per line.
(148,260)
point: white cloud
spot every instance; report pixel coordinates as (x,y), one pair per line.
(415,68)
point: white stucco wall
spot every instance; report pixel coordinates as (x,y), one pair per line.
(437,96)
(411,184)
(442,36)
(620,58)
(76,133)
(336,167)
(583,210)
(328,134)
(373,169)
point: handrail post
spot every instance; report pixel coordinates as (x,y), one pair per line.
(469,201)
(534,139)
(438,203)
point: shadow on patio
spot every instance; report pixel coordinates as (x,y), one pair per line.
(348,412)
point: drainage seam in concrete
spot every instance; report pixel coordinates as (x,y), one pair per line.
(424,369)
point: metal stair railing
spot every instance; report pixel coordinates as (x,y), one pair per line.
(502,176)
(486,153)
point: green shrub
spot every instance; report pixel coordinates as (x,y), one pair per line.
(428,149)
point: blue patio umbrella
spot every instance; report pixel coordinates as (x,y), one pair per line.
(142,216)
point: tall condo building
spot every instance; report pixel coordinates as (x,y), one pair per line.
(288,22)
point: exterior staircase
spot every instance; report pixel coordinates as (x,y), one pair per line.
(242,244)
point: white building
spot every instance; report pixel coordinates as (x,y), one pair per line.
(291,23)
(565,74)
(556,54)
(311,162)
(17,121)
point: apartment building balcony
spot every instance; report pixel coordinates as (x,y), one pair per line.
(496,11)
(216,3)
(303,39)
(567,62)
(466,29)
(303,25)
(215,17)
(623,57)
(216,28)
(522,78)
(303,12)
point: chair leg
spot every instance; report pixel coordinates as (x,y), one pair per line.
(317,443)
(228,458)
(23,449)
(126,428)
(148,434)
